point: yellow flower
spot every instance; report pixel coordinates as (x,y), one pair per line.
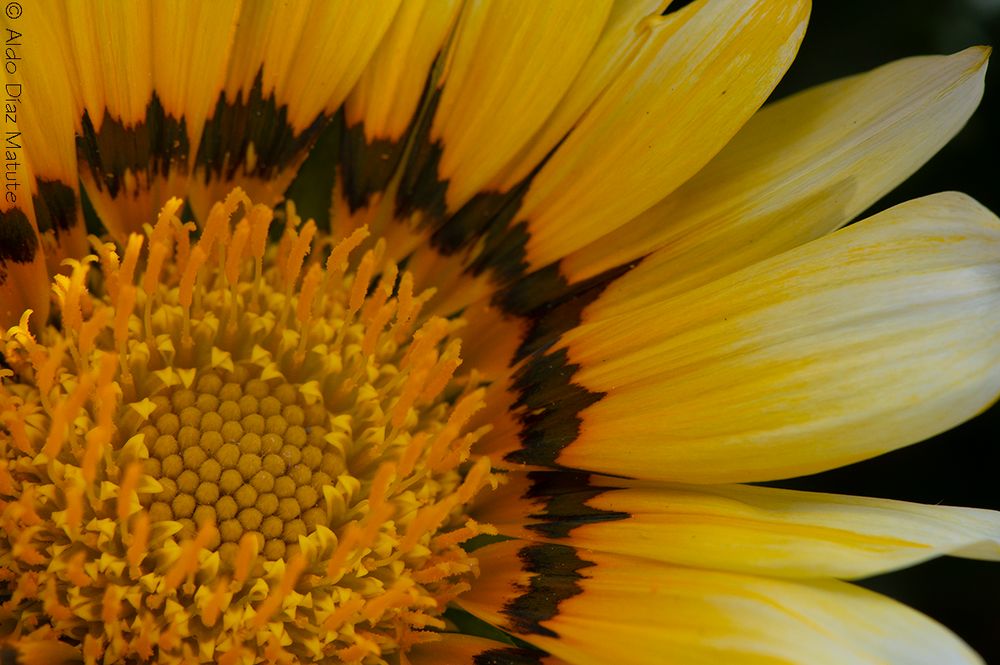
(576,289)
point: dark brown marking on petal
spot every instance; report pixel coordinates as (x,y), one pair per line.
(509,656)
(419,187)
(485,218)
(154,147)
(548,401)
(548,407)
(55,206)
(18,240)
(566,495)
(551,305)
(488,218)
(488,223)
(239,123)
(555,577)
(676,6)
(367,167)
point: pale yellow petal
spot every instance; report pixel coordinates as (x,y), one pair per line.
(799,169)
(870,339)
(592,608)
(758,530)
(696,80)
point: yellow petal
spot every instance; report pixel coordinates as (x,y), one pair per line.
(23,276)
(382,106)
(146,76)
(799,169)
(112,54)
(386,96)
(292,66)
(870,339)
(190,60)
(308,54)
(24,282)
(758,530)
(700,75)
(454,648)
(45,114)
(509,66)
(623,32)
(592,608)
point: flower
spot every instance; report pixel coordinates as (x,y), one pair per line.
(576,291)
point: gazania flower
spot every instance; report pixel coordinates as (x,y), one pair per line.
(576,290)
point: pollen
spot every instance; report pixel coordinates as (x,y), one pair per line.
(221,449)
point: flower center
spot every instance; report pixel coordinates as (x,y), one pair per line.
(230,452)
(249,455)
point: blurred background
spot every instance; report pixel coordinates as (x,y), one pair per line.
(851,36)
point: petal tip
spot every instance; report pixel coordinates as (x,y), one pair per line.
(977,56)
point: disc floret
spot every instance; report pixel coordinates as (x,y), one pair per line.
(233,452)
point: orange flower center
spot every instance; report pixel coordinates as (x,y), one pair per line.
(234,452)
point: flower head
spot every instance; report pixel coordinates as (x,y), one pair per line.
(574,289)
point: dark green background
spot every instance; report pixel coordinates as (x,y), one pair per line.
(958,467)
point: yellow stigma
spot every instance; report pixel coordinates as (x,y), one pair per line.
(225,451)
